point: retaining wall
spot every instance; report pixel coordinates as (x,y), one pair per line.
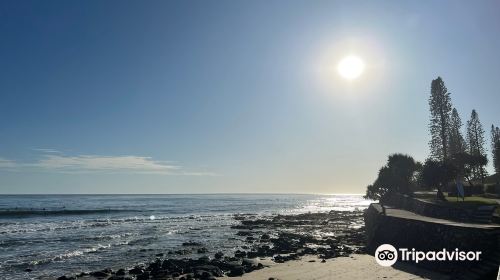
(431,236)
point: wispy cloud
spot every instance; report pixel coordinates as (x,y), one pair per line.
(55,161)
(43,150)
(6,163)
(90,163)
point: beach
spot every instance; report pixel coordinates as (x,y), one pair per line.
(356,266)
(322,245)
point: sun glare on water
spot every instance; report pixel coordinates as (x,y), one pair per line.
(351,67)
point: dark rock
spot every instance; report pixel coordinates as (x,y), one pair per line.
(64,277)
(279,259)
(212,269)
(156,265)
(219,255)
(159,273)
(143,276)
(120,272)
(136,270)
(284,258)
(116,277)
(202,250)
(202,274)
(191,243)
(99,274)
(240,254)
(237,271)
(204,260)
(182,252)
(169,264)
(252,254)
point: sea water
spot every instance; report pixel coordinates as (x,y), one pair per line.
(54,235)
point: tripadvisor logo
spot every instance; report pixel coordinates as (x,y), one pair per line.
(387,255)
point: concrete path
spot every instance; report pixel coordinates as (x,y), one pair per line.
(399,213)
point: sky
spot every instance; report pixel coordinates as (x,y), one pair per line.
(231,96)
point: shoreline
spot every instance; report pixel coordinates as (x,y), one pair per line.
(279,238)
(299,246)
(283,246)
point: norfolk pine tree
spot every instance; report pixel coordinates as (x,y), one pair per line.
(495,147)
(475,140)
(456,141)
(440,108)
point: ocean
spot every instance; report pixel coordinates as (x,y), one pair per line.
(46,236)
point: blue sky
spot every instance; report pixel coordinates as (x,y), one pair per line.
(230,96)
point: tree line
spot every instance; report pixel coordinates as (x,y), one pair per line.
(454,155)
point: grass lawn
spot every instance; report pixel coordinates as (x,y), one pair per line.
(470,201)
(473,201)
(431,196)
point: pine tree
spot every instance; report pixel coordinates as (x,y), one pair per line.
(456,142)
(440,108)
(475,139)
(495,147)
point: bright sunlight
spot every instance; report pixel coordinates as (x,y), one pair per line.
(351,67)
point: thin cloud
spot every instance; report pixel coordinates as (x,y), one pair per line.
(135,164)
(54,161)
(6,163)
(47,151)
(211,174)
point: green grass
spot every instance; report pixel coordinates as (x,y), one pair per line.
(477,200)
(470,201)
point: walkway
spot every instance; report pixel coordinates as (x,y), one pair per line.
(399,213)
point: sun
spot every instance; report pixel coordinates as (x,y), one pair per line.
(351,67)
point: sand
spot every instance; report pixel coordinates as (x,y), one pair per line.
(355,267)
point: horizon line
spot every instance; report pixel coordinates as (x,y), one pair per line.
(216,193)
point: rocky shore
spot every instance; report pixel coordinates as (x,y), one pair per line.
(277,239)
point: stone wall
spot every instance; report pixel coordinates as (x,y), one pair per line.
(429,236)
